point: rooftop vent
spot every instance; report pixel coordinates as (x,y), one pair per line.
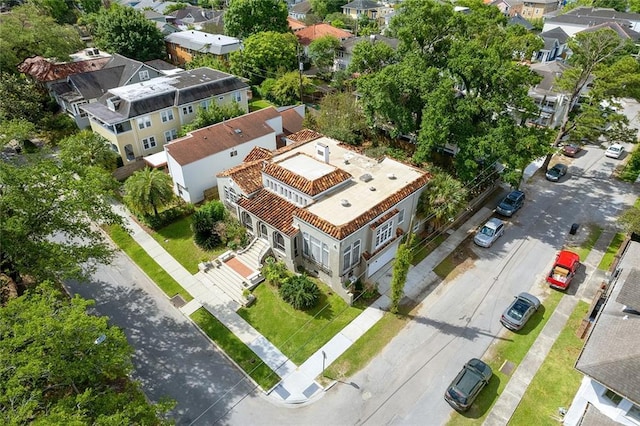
(345,203)
(372,188)
(366,177)
(391,176)
(237,131)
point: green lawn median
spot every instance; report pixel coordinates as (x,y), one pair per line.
(556,382)
(162,279)
(240,353)
(612,250)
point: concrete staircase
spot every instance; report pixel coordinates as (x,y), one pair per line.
(252,255)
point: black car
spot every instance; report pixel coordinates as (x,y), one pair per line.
(464,389)
(556,172)
(511,203)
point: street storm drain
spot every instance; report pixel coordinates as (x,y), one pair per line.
(507,368)
(177,301)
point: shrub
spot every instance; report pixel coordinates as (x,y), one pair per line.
(274,272)
(212,226)
(202,225)
(167,216)
(300,292)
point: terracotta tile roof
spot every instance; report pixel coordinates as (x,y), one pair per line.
(249,179)
(272,209)
(294,24)
(314,32)
(213,139)
(301,183)
(43,70)
(258,153)
(304,135)
(342,231)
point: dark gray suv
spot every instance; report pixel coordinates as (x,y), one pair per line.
(511,203)
(467,385)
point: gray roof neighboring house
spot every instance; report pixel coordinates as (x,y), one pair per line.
(197,15)
(611,353)
(549,71)
(362,5)
(199,41)
(623,32)
(588,16)
(350,43)
(555,34)
(123,103)
(302,7)
(517,19)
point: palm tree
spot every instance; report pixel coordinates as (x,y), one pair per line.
(442,199)
(148,190)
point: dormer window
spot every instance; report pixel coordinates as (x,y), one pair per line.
(143,75)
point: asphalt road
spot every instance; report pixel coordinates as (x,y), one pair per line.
(404,385)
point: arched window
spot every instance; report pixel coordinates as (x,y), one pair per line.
(278,241)
(246,221)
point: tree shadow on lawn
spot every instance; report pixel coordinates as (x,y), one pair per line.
(533,322)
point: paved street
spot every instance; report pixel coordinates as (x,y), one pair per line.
(172,358)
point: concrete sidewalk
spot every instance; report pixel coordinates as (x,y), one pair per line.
(298,384)
(519,382)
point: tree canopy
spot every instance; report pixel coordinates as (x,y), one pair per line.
(265,55)
(48,221)
(341,118)
(64,366)
(124,30)
(322,8)
(244,18)
(322,51)
(213,114)
(370,57)
(29,31)
(148,190)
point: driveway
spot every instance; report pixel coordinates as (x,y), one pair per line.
(172,358)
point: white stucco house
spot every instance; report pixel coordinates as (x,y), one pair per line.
(326,208)
(194,160)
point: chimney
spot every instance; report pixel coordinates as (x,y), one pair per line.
(322,152)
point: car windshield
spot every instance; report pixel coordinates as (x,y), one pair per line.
(487,231)
(509,201)
(457,395)
(518,309)
(614,149)
(554,171)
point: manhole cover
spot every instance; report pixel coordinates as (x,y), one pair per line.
(507,368)
(178,301)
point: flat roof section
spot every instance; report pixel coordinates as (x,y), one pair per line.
(306,166)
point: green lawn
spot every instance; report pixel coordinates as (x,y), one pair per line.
(585,248)
(235,349)
(513,348)
(258,104)
(298,334)
(609,255)
(177,240)
(146,263)
(556,383)
(632,168)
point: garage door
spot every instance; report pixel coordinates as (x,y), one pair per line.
(382,259)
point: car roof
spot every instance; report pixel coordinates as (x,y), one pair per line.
(515,193)
(616,146)
(559,166)
(529,298)
(493,222)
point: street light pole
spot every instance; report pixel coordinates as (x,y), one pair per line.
(324,358)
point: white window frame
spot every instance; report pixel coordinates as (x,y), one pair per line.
(401,216)
(205,104)
(351,255)
(170,135)
(315,249)
(237,96)
(144,122)
(186,110)
(233,152)
(277,244)
(143,75)
(166,115)
(384,234)
(149,142)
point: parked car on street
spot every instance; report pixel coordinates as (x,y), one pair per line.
(519,311)
(511,203)
(571,150)
(489,233)
(464,389)
(614,151)
(556,172)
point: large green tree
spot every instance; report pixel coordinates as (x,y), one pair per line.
(48,221)
(322,8)
(87,149)
(61,365)
(322,52)
(124,30)
(341,118)
(246,17)
(21,98)
(286,89)
(442,199)
(148,190)
(29,31)
(265,55)
(211,115)
(630,219)
(371,56)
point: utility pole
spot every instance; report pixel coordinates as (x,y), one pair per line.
(300,69)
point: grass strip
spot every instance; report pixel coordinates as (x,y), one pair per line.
(513,348)
(585,248)
(298,334)
(556,382)
(162,279)
(368,346)
(177,240)
(240,353)
(421,250)
(610,254)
